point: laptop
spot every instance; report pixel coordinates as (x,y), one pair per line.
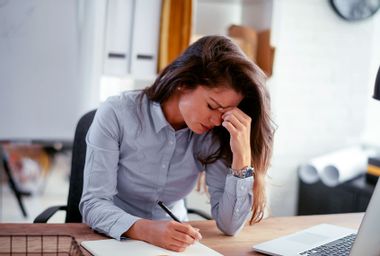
(320,239)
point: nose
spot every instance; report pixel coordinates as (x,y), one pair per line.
(216,118)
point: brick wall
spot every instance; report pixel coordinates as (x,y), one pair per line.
(319,89)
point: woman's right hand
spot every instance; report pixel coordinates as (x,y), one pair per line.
(170,235)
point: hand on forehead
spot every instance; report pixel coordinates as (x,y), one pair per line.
(224,110)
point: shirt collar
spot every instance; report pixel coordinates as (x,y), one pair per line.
(158,117)
(159,120)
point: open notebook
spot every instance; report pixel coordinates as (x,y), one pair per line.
(134,247)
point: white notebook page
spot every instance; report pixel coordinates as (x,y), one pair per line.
(135,247)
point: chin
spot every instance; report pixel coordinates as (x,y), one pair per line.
(199,129)
(198,132)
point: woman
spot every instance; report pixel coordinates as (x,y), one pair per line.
(207,111)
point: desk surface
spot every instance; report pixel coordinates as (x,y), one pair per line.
(237,246)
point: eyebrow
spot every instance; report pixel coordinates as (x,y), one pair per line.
(219,105)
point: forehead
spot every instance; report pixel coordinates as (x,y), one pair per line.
(225,96)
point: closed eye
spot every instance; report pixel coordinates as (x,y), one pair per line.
(210,107)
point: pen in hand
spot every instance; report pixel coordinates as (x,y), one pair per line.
(196,235)
(166,209)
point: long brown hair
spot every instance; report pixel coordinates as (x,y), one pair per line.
(215,60)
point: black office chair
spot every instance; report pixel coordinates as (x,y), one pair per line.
(76,178)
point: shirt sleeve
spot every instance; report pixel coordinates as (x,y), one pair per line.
(100,176)
(231,197)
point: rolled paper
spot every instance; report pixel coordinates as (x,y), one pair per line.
(334,168)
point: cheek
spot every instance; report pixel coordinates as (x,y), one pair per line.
(185,109)
(191,113)
(192,110)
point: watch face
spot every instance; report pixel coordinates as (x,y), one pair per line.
(354,10)
(248,173)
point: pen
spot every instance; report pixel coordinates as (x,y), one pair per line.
(166,209)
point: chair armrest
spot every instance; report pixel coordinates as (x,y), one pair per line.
(200,213)
(45,215)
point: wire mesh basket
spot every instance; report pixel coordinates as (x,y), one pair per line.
(46,245)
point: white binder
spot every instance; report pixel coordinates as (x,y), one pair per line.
(145,39)
(119,25)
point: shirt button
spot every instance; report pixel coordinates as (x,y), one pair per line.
(237,210)
(242,187)
(170,142)
(163,166)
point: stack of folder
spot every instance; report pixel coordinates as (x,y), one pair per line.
(373,170)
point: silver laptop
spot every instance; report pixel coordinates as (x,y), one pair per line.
(321,239)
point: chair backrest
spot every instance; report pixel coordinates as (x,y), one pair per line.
(77,167)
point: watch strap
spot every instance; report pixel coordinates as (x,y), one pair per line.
(243,173)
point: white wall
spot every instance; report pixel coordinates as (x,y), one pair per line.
(371,133)
(214,17)
(38,67)
(47,66)
(319,88)
(257,14)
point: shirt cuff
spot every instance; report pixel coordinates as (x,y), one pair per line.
(237,186)
(122,225)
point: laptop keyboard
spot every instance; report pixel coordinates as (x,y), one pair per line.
(340,247)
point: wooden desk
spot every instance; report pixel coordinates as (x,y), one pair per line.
(235,246)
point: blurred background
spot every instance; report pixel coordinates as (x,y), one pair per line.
(60,59)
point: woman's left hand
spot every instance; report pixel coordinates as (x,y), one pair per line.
(238,125)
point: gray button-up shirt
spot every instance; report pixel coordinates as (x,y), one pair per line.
(134,158)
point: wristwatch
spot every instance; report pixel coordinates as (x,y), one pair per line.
(243,173)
